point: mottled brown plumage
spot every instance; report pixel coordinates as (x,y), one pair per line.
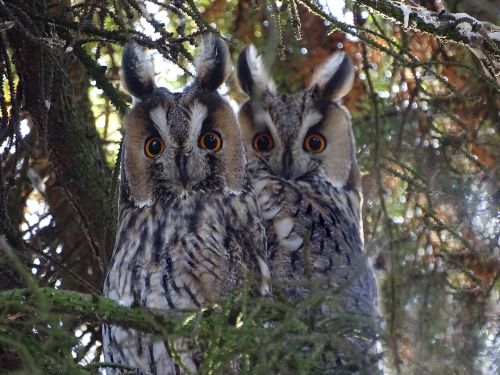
(189,227)
(302,159)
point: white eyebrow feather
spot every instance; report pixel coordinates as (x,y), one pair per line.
(264,117)
(311,118)
(199,113)
(159,118)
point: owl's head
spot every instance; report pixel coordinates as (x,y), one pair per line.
(180,143)
(301,134)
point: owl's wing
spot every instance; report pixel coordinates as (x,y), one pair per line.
(249,232)
(255,241)
(314,232)
(336,237)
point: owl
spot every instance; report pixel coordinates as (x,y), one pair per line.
(189,225)
(302,159)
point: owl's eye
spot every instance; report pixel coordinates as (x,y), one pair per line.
(315,142)
(153,147)
(263,142)
(211,141)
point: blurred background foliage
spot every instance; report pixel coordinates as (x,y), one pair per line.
(426,120)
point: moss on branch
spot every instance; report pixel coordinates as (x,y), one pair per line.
(91,308)
(95,71)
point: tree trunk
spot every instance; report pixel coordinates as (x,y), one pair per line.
(78,191)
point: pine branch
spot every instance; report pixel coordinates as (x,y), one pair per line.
(115,96)
(482,38)
(93,309)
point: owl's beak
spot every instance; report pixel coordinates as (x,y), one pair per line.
(287,162)
(181,164)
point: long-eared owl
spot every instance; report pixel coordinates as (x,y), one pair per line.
(302,159)
(189,226)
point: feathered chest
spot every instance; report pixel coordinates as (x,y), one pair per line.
(182,255)
(312,227)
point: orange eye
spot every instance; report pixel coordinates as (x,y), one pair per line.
(153,147)
(315,142)
(263,142)
(210,141)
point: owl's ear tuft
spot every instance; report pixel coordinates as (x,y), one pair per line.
(213,64)
(253,76)
(334,78)
(137,71)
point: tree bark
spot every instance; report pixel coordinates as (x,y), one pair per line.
(69,138)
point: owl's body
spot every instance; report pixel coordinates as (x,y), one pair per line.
(313,237)
(189,228)
(305,174)
(181,254)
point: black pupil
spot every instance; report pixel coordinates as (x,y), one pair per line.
(210,141)
(314,143)
(154,147)
(263,143)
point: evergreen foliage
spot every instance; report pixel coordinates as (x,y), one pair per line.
(426,117)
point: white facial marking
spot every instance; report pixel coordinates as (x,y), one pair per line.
(159,118)
(310,118)
(198,114)
(263,117)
